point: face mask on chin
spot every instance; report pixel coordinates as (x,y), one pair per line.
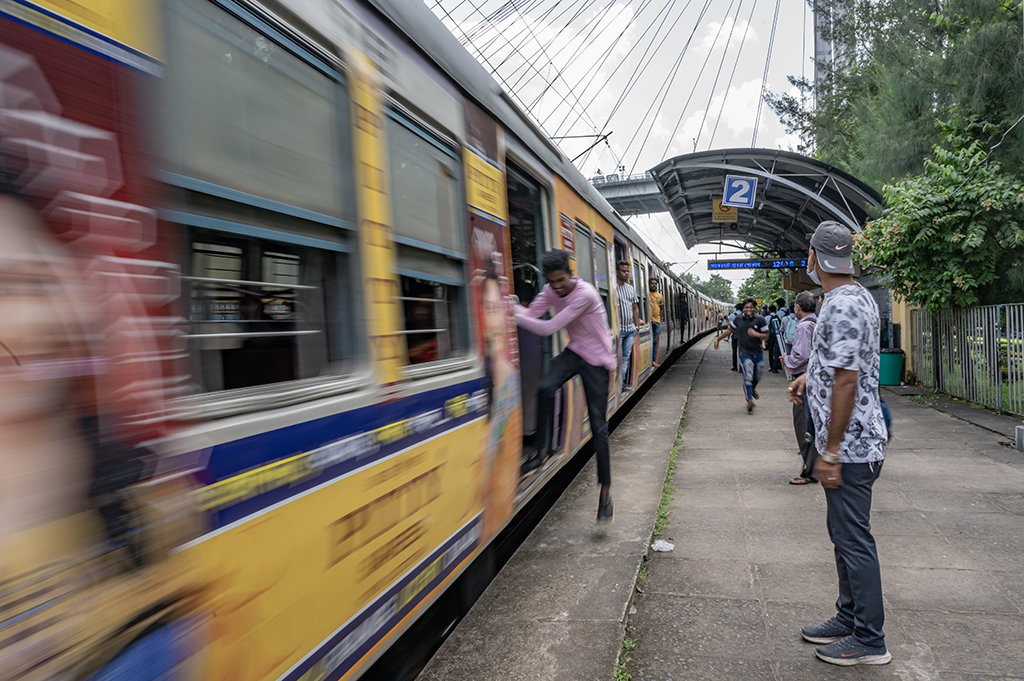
(813,274)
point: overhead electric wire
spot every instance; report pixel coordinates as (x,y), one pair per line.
(587,3)
(666,86)
(764,78)
(696,81)
(728,88)
(595,20)
(611,46)
(714,86)
(484,58)
(522,31)
(512,89)
(641,67)
(636,44)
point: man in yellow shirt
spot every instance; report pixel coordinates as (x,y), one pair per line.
(657,302)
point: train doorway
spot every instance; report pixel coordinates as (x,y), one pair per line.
(526,229)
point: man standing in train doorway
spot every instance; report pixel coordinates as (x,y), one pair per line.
(749,329)
(841,388)
(629,317)
(580,311)
(657,302)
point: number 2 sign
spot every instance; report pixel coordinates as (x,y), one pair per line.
(739,191)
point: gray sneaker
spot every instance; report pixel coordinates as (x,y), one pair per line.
(846,652)
(826,632)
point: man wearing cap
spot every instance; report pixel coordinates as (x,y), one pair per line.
(841,387)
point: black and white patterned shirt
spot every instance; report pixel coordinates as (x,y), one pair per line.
(847,337)
(627,296)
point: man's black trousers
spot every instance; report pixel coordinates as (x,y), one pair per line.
(805,440)
(849,526)
(735,350)
(595,385)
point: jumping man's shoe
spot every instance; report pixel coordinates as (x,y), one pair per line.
(756,396)
(604,509)
(826,632)
(750,406)
(846,652)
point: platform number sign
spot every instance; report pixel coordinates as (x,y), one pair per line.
(739,191)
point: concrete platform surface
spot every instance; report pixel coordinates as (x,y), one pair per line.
(753,562)
(557,609)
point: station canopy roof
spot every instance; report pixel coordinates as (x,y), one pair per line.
(794,194)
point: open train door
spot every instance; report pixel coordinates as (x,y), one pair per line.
(526,227)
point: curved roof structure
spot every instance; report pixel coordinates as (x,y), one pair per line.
(794,194)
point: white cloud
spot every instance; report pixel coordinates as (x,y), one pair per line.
(721,30)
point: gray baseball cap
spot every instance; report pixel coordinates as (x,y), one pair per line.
(833,244)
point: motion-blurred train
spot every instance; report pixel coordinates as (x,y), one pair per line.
(262,394)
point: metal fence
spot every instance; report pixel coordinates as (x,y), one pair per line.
(975,354)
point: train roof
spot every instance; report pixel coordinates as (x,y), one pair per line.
(427,32)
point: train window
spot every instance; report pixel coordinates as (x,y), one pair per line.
(426,185)
(584,254)
(601,258)
(246,114)
(260,311)
(426,188)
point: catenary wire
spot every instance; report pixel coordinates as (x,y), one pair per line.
(728,88)
(764,78)
(666,86)
(700,74)
(637,69)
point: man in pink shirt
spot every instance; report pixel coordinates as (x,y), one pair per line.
(580,311)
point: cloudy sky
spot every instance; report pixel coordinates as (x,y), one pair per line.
(665,77)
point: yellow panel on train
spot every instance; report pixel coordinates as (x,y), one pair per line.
(132,22)
(286,579)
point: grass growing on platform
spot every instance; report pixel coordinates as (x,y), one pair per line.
(628,645)
(668,488)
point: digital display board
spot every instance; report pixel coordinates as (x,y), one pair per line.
(776,264)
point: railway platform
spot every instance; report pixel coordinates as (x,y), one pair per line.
(752,560)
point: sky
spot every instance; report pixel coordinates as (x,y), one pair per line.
(664,77)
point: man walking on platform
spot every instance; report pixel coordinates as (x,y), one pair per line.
(841,387)
(796,362)
(629,317)
(657,303)
(580,311)
(750,329)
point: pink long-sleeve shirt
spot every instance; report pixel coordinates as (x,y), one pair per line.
(581,313)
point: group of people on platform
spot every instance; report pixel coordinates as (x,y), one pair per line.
(832,357)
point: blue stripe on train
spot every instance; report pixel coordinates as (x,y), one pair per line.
(231,458)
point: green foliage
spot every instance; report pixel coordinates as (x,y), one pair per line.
(765,286)
(717,287)
(899,65)
(950,232)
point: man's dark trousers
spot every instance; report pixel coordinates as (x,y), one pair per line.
(849,526)
(735,350)
(805,440)
(595,386)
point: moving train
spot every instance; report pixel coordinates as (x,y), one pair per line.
(264,394)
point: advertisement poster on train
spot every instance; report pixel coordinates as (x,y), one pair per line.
(490,253)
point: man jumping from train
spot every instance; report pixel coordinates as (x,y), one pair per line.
(579,310)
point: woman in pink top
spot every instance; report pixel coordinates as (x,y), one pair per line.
(580,311)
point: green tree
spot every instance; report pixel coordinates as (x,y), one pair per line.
(717,287)
(951,231)
(765,286)
(902,64)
